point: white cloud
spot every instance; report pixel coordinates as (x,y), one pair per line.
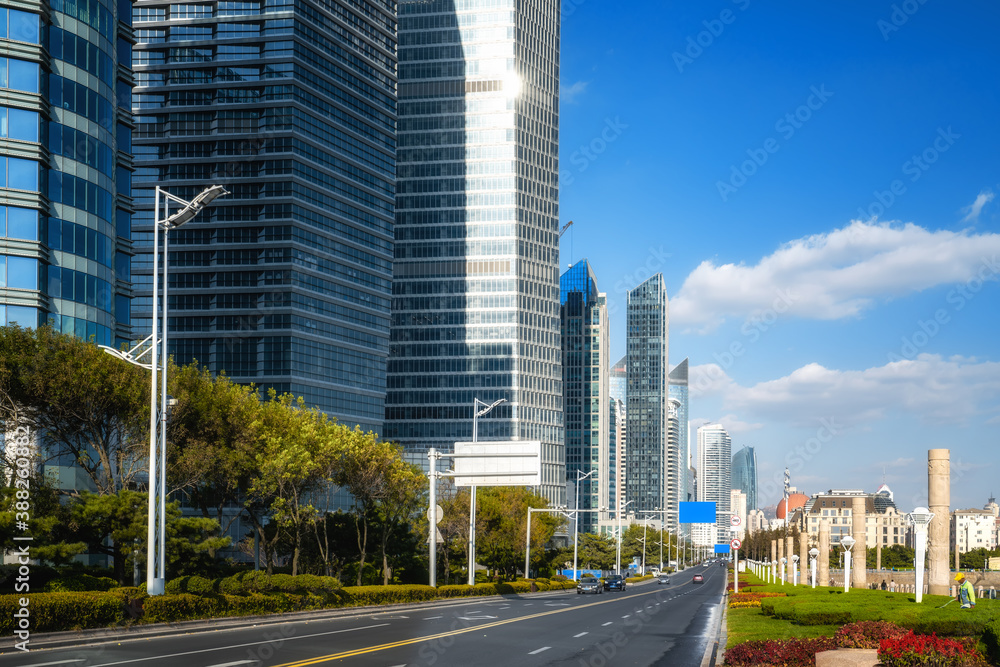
(569,94)
(735,426)
(929,389)
(834,275)
(984,198)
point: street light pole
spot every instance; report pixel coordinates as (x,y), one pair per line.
(920,519)
(156,536)
(846,543)
(576,522)
(476,414)
(814,553)
(618,559)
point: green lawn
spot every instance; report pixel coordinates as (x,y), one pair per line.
(807,612)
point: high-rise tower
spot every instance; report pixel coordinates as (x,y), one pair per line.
(291,105)
(678,391)
(585,343)
(475,311)
(745,474)
(714,469)
(65,152)
(653,471)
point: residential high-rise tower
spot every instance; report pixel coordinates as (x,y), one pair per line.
(291,105)
(714,469)
(475,311)
(678,391)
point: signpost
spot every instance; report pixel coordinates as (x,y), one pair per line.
(735,545)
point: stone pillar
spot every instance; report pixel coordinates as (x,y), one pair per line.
(823,571)
(789,566)
(939,502)
(878,552)
(859,554)
(804,559)
(781,554)
(774,559)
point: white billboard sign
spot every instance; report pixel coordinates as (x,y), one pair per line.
(498,463)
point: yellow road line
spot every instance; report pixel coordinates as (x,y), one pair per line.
(450,633)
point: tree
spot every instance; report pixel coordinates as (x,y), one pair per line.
(596,552)
(299,452)
(81,403)
(501,527)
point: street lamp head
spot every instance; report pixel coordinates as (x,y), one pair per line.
(847,542)
(795,558)
(920,517)
(814,552)
(206,197)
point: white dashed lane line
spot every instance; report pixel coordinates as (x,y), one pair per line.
(604,625)
(580,635)
(539,650)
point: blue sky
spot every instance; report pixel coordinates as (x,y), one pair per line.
(816,183)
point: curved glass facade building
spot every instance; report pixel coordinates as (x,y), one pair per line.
(745,474)
(291,105)
(65,166)
(475,312)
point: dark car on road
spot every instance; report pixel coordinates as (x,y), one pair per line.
(615,581)
(663,579)
(588,585)
(698,579)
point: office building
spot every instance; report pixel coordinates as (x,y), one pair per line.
(291,105)
(616,432)
(653,474)
(475,311)
(714,469)
(745,474)
(678,391)
(585,346)
(65,146)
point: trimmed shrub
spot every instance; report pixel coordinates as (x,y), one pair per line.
(559,577)
(79,582)
(991,638)
(193,584)
(53,612)
(787,653)
(513,587)
(912,649)
(373,595)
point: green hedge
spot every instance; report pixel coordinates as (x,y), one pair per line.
(373,595)
(50,612)
(79,582)
(991,638)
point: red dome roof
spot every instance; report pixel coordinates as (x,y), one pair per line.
(795,501)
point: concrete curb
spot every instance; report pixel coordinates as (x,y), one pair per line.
(154,630)
(719,633)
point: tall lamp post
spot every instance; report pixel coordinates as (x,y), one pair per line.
(795,569)
(920,519)
(783,561)
(156,538)
(814,554)
(618,557)
(846,543)
(576,523)
(476,414)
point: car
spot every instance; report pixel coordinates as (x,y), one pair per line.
(615,581)
(698,579)
(589,585)
(663,579)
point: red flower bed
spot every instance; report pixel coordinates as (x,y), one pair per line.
(786,653)
(867,634)
(911,649)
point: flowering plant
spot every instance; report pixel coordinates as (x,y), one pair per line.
(867,634)
(786,652)
(745,600)
(911,649)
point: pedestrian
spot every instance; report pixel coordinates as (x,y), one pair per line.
(885,586)
(892,585)
(966,593)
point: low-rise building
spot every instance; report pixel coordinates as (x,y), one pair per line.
(885,525)
(973,529)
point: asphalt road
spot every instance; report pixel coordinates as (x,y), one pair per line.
(647,624)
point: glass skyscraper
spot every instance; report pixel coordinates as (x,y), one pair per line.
(65,148)
(619,379)
(291,105)
(678,390)
(585,343)
(745,474)
(475,311)
(653,472)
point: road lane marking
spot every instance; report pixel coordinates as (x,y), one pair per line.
(475,618)
(432,618)
(626,615)
(606,624)
(580,635)
(60,662)
(537,651)
(226,648)
(234,664)
(416,640)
